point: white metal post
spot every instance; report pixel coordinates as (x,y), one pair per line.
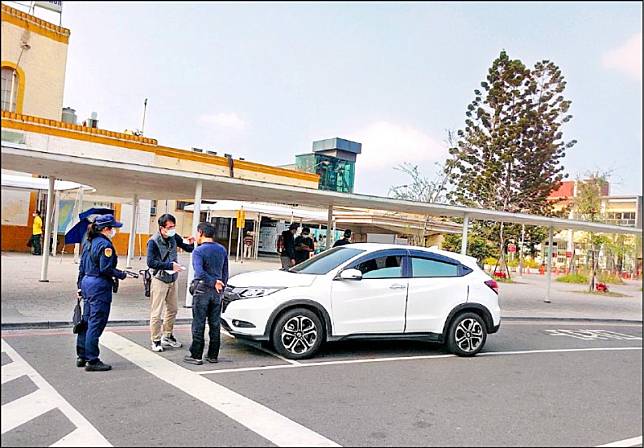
(521,250)
(230,236)
(47,235)
(466,223)
(79,211)
(196,213)
(549,278)
(55,223)
(329,226)
(259,230)
(133,225)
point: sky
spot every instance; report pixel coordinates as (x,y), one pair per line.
(264,80)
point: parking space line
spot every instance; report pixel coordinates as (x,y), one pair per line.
(408,358)
(635,441)
(560,350)
(26,408)
(269,424)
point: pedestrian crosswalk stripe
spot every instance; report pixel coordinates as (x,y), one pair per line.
(25,409)
(46,398)
(269,424)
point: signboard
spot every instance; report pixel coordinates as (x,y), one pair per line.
(53,5)
(241,219)
(512,247)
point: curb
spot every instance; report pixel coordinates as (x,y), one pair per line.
(570,319)
(184,321)
(62,324)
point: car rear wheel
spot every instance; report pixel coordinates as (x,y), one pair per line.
(467,335)
(297,334)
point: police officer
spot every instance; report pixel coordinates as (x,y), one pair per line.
(96,278)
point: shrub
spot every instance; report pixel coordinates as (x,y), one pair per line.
(513,263)
(607,277)
(490,261)
(573,278)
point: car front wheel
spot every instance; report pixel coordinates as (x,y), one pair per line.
(297,334)
(467,335)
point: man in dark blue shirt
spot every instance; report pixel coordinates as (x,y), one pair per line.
(210,263)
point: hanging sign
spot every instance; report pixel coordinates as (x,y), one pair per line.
(53,5)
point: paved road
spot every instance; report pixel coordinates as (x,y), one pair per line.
(551,383)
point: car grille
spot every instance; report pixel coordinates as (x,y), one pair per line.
(229,296)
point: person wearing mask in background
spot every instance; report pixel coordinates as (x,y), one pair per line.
(95,281)
(36,234)
(345,240)
(162,260)
(210,263)
(303,246)
(287,252)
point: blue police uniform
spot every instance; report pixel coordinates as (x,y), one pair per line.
(97,268)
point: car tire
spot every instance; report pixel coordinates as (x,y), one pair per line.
(297,334)
(467,334)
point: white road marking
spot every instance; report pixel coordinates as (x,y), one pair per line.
(594,335)
(409,358)
(635,441)
(258,418)
(26,408)
(262,349)
(278,356)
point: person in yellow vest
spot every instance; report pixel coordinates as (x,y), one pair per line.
(36,234)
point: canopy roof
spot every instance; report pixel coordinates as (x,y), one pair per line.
(124,179)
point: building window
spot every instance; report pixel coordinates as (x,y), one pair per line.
(181,205)
(153,208)
(222,227)
(9,93)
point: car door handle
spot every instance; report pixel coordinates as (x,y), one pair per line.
(398,286)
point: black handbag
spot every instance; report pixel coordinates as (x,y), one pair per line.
(77,320)
(147,281)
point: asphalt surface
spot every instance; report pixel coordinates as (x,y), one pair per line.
(535,384)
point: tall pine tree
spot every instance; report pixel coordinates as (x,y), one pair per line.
(508,156)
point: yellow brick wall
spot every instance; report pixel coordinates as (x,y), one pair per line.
(43,65)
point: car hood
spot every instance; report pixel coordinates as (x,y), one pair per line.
(272,278)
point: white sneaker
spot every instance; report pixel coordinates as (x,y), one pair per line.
(170,341)
(156,346)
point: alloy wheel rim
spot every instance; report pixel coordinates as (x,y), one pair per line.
(299,335)
(469,335)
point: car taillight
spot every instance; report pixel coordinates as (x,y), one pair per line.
(493,285)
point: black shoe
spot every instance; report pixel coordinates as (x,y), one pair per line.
(190,360)
(212,360)
(98,366)
(80,362)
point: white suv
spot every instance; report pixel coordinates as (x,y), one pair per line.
(365,291)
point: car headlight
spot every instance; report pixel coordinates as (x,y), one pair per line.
(250,293)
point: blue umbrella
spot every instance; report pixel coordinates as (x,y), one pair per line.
(76,233)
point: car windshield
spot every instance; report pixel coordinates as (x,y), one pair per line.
(326,261)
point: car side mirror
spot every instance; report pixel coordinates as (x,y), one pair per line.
(351,274)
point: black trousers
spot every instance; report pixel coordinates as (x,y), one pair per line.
(206,306)
(36,244)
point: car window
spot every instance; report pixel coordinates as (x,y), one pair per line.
(326,261)
(424,267)
(381,267)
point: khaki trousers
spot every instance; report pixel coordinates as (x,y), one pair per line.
(161,294)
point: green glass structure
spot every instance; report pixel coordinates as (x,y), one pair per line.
(334,160)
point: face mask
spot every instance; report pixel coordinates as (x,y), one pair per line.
(112,233)
(171,233)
